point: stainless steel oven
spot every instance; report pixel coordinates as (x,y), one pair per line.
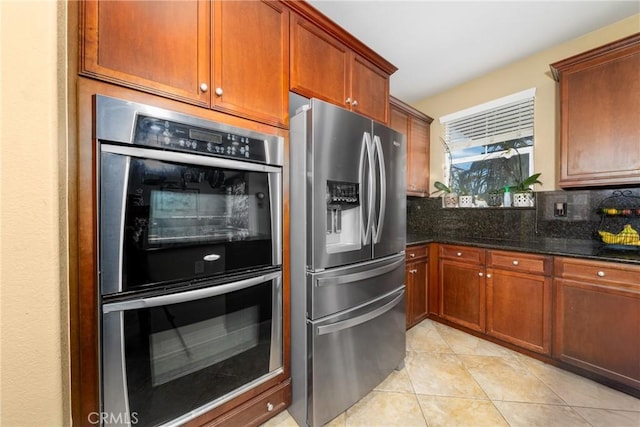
(190,261)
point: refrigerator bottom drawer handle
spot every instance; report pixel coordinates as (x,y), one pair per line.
(350,323)
(348,278)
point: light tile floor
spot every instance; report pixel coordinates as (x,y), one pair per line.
(455,379)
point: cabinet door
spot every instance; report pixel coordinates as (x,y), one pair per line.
(320,64)
(600,110)
(462,293)
(597,328)
(369,90)
(519,309)
(162,47)
(416,282)
(418,158)
(251,59)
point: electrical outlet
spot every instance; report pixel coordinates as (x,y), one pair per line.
(559,209)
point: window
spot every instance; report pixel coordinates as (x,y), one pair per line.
(490,146)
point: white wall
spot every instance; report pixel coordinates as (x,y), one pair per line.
(34,363)
(530,72)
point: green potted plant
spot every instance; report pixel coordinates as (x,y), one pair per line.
(449,197)
(522,193)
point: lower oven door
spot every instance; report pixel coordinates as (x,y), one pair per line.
(170,358)
(352,352)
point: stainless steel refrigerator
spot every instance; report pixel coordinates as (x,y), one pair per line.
(348,226)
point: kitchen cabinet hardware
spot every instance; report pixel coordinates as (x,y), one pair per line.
(219,91)
(416,280)
(347,101)
(459,254)
(515,262)
(488,275)
(480,274)
(204,87)
(412,255)
(601,274)
(269,406)
(354,103)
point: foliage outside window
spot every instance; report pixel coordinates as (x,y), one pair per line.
(490,146)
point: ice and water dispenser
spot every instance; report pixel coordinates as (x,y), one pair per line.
(343,216)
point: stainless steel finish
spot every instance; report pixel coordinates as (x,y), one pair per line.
(187,296)
(204,87)
(342,288)
(219,91)
(349,360)
(348,307)
(275,358)
(114,175)
(211,257)
(115,398)
(186,158)
(275,193)
(115,121)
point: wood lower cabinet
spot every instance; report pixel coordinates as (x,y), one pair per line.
(461,286)
(230,56)
(597,318)
(519,299)
(417,280)
(415,125)
(328,67)
(599,115)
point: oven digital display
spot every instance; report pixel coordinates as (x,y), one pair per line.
(200,135)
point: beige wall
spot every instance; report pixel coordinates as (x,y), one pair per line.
(34,358)
(527,73)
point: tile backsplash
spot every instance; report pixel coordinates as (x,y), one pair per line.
(426,216)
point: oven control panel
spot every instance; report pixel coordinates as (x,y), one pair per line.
(165,134)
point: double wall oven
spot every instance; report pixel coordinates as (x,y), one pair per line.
(190,262)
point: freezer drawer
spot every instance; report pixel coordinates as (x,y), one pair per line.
(351,353)
(343,288)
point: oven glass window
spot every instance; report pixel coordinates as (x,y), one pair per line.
(179,357)
(194,221)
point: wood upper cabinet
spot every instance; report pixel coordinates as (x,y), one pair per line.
(600,115)
(519,299)
(461,286)
(417,277)
(167,48)
(597,318)
(324,66)
(415,125)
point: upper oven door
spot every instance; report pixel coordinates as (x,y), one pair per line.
(168,217)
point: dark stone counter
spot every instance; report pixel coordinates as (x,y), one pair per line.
(575,248)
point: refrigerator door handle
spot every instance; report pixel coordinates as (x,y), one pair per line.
(365,163)
(350,323)
(377,229)
(354,277)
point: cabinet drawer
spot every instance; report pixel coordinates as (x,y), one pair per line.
(419,251)
(598,271)
(517,261)
(462,253)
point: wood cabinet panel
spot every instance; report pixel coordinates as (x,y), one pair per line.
(417,281)
(462,294)
(369,90)
(415,125)
(518,261)
(519,309)
(605,273)
(596,328)
(463,253)
(134,43)
(251,60)
(599,110)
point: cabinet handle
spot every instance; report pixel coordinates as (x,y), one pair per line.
(459,254)
(488,275)
(347,101)
(515,262)
(480,274)
(412,255)
(354,103)
(204,87)
(269,406)
(600,273)
(219,91)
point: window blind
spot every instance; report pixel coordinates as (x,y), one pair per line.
(498,121)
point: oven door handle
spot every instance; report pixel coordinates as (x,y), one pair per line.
(187,296)
(187,158)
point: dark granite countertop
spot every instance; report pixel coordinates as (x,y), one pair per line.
(548,246)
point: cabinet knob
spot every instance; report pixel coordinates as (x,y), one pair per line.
(600,273)
(488,275)
(354,103)
(412,255)
(269,406)
(459,254)
(480,274)
(348,101)
(515,262)
(204,87)
(219,91)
